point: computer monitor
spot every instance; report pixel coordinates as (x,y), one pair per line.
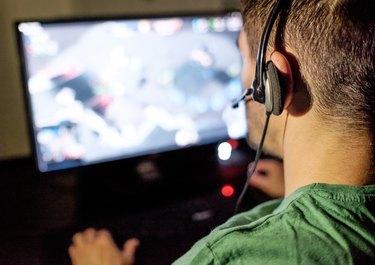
(107,89)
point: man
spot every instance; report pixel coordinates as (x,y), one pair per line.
(324,51)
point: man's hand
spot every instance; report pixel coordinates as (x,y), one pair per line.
(269,177)
(96,247)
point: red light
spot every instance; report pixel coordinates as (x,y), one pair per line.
(227,191)
(234,143)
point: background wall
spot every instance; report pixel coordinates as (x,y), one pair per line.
(14,142)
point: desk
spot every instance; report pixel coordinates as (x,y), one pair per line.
(40,213)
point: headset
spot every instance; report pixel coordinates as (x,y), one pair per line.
(266,89)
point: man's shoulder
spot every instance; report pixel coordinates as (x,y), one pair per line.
(248,229)
(315,226)
(242,238)
(249,235)
(312,227)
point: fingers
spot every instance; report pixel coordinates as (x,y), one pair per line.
(80,241)
(268,177)
(85,237)
(91,235)
(104,237)
(259,180)
(95,247)
(73,254)
(265,166)
(129,250)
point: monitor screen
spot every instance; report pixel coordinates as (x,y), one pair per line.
(106,89)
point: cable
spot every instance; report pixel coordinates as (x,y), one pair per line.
(257,156)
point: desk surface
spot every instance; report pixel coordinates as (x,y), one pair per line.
(39,214)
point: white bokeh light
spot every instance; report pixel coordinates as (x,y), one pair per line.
(224,151)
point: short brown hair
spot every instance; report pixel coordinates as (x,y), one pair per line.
(334,44)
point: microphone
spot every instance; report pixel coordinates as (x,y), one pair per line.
(247,92)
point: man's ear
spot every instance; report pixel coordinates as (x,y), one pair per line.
(286,76)
(297,98)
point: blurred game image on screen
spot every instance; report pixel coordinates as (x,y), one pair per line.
(103,90)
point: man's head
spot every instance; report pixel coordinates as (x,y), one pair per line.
(330,47)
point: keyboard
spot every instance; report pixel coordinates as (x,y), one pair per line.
(174,219)
(169,231)
(165,232)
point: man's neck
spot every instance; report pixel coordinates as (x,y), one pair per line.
(313,154)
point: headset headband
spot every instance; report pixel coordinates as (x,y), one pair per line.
(257,89)
(258,85)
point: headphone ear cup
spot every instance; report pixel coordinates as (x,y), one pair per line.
(276,89)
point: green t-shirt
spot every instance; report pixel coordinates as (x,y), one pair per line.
(317,224)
